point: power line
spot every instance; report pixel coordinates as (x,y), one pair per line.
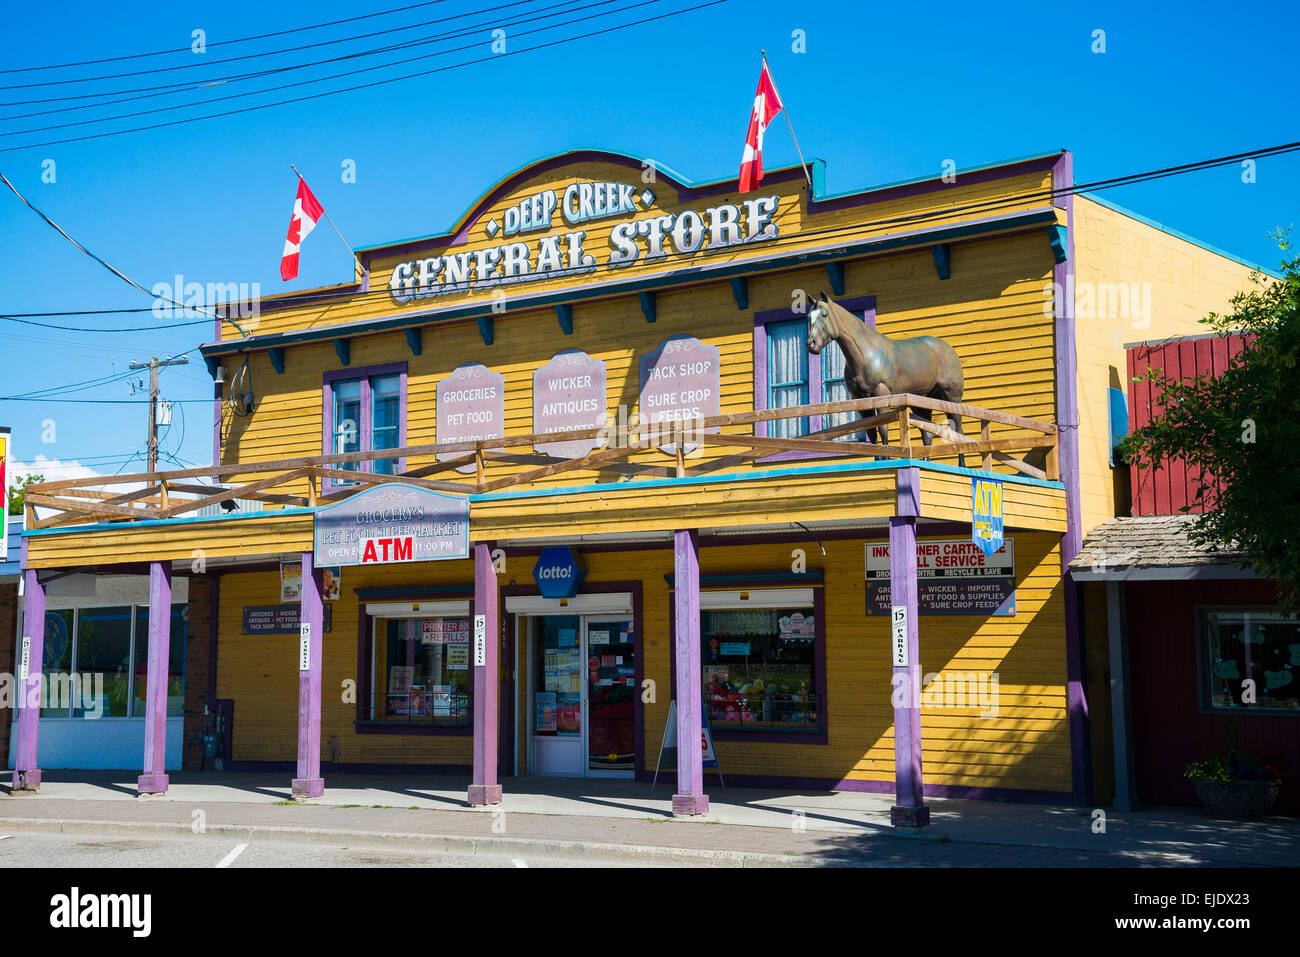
(986,206)
(219,43)
(384,82)
(198,84)
(120,275)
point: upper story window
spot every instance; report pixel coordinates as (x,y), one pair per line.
(786,374)
(365,411)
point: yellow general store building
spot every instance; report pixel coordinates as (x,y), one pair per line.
(500,502)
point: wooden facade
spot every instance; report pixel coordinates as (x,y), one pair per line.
(971,261)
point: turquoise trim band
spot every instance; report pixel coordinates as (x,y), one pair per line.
(596,489)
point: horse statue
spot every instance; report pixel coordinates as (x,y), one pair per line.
(875,365)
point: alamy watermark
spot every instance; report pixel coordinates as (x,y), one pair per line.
(58,691)
(949,689)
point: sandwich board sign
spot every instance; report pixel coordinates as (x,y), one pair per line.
(669,742)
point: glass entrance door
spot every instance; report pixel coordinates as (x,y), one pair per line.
(556,673)
(611,690)
(582,704)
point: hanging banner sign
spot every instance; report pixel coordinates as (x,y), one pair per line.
(986,514)
(569,393)
(952,578)
(390,524)
(680,382)
(471,406)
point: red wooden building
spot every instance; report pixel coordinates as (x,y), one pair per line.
(1174,629)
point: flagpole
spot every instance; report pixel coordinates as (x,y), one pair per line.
(330,220)
(786,110)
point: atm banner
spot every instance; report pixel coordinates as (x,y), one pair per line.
(391,524)
(952,578)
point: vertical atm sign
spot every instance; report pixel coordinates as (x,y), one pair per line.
(4,491)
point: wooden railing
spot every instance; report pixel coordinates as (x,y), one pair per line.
(907,417)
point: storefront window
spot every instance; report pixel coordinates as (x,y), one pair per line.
(425,666)
(84,643)
(759,668)
(1260,646)
(175,664)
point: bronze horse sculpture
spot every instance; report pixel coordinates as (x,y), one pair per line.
(875,365)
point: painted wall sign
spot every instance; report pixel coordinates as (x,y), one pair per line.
(651,238)
(953,578)
(986,514)
(559,572)
(390,524)
(569,393)
(277,619)
(898,635)
(680,381)
(471,406)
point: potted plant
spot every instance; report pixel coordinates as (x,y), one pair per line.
(1229,782)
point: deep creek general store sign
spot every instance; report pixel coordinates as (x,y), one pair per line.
(391,524)
(529,258)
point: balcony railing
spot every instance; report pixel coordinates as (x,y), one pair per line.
(497,462)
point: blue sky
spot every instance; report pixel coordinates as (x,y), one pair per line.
(884,92)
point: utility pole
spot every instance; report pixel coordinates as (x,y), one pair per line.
(153,365)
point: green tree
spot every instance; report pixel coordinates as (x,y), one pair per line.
(18,492)
(1239,430)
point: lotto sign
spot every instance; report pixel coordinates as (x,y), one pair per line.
(986,514)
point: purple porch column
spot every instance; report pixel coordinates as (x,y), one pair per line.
(690,797)
(311,638)
(910,809)
(485,789)
(31,647)
(154,778)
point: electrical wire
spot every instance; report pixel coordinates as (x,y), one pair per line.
(375,83)
(844,231)
(219,43)
(125,278)
(382,66)
(166,89)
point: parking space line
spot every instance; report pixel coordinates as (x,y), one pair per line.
(239,849)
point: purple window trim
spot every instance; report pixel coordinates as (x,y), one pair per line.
(365,374)
(802,736)
(866,305)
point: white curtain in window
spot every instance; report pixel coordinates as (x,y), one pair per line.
(787,374)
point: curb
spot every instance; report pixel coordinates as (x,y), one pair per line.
(451,844)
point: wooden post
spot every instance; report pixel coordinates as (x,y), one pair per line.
(311,626)
(910,809)
(905,430)
(154,778)
(478,464)
(162,491)
(311,491)
(31,648)
(485,790)
(1053,464)
(986,460)
(690,798)
(679,437)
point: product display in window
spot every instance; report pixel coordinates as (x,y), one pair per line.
(425,662)
(1264,648)
(759,668)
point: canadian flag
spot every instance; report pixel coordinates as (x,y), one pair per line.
(766,106)
(306,213)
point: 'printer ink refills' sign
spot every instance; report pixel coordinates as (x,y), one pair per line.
(952,578)
(559,572)
(392,523)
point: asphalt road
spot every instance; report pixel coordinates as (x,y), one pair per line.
(90,850)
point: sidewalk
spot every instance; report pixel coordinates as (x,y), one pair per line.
(604,818)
